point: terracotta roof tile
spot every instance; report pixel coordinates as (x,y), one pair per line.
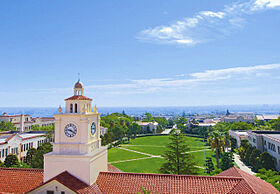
(109,182)
(111,168)
(231,181)
(257,185)
(19,180)
(78,97)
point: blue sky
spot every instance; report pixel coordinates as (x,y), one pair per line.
(140,53)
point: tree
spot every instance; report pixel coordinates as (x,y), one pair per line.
(227,161)
(215,139)
(30,156)
(38,161)
(254,159)
(178,161)
(209,165)
(248,153)
(1,164)
(227,142)
(222,127)
(149,118)
(135,128)
(267,161)
(21,165)
(11,160)
(275,124)
(7,126)
(241,126)
(233,143)
(270,176)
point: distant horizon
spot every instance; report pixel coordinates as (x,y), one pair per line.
(148,106)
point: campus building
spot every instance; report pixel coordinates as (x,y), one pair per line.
(24,122)
(267,141)
(20,143)
(78,164)
(148,126)
(239,136)
(238,118)
(267,118)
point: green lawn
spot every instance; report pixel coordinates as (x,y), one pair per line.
(150,165)
(115,154)
(155,145)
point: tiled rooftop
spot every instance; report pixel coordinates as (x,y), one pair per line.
(79,97)
(233,180)
(19,180)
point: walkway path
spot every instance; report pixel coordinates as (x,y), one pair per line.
(241,165)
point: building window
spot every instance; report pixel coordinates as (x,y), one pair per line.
(76,108)
(71,108)
(50,192)
(62,192)
(6,152)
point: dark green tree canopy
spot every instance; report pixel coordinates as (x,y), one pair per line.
(11,160)
(178,161)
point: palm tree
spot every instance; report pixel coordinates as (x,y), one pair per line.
(216,140)
(227,141)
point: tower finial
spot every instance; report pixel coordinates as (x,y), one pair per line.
(78,76)
(95,109)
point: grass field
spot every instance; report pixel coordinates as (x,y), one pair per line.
(142,155)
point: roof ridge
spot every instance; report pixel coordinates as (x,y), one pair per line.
(234,187)
(239,170)
(175,175)
(23,169)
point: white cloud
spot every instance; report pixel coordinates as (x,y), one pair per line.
(213,14)
(184,81)
(261,4)
(177,83)
(220,73)
(206,25)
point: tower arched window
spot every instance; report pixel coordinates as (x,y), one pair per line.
(76,108)
(71,108)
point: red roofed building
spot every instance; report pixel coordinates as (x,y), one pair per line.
(78,164)
(114,181)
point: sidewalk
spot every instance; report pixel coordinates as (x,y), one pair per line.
(241,165)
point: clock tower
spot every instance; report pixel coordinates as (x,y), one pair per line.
(77,145)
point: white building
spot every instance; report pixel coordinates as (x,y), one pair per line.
(267,141)
(148,126)
(19,143)
(238,118)
(267,118)
(24,122)
(238,135)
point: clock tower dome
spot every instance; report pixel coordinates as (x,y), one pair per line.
(77,145)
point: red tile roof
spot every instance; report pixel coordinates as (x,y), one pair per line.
(257,185)
(159,183)
(74,183)
(111,168)
(19,180)
(231,181)
(78,97)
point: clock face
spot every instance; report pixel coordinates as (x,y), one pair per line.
(70,130)
(93,128)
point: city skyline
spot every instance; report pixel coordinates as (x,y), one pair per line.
(142,53)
